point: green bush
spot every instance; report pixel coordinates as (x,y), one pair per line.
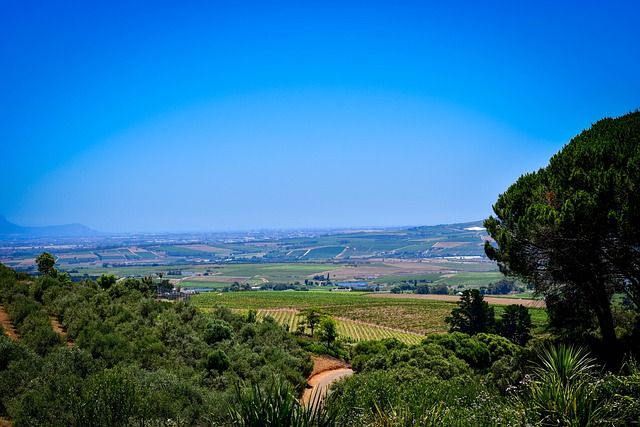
(475,352)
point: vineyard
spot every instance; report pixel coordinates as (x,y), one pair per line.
(350,330)
(420,317)
(375,314)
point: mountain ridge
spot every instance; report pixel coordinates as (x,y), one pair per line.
(11,230)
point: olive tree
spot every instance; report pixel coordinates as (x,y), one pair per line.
(45,262)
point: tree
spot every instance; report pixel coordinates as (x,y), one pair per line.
(217,360)
(45,262)
(106,281)
(473,315)
(311,318)
(440,289)
(571,228)
(422,288)
(516,324)
(148,281)
(327,330)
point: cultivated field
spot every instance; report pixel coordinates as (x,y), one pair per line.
(493,300)
(363,313)
(351,330)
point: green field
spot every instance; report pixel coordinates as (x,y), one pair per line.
(146,255)
(428,277)
(471,279)
(274,273)
(324,253)
(181,251)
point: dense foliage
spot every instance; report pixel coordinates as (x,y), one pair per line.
(484,380)
(571,230)
(473,315)
(134,360)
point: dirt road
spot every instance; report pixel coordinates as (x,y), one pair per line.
(320,383)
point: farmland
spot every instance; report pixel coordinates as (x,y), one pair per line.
(348,329)
(348,246)
(384,259)
(396,316)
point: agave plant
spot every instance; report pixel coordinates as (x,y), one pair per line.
(561,389)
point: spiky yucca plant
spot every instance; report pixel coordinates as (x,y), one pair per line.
(561,391)
(417,416)
(277,406)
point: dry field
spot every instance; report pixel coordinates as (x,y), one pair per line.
(533,303)
(388,268)
(213,278)
(207,248)
(447,245)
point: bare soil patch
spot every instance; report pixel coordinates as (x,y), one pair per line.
(7,325)
(534,303)
(216,279)
(207,248)
(366,271)
(326,363)
(57,327)
(447,245)
(326,370)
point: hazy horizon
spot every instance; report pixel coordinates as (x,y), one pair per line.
(154,117)
(250,230)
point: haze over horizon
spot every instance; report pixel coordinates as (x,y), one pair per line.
(209,117)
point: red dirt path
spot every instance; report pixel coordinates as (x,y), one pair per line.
(325,370)
(7,326)
(57,327)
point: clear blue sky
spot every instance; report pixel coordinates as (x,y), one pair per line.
(198,116)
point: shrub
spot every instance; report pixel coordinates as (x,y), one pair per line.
(472,351)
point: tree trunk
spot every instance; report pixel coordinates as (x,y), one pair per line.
(602,307)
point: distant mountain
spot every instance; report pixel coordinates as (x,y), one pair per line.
(9,230)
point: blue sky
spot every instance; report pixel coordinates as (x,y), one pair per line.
(205,116)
